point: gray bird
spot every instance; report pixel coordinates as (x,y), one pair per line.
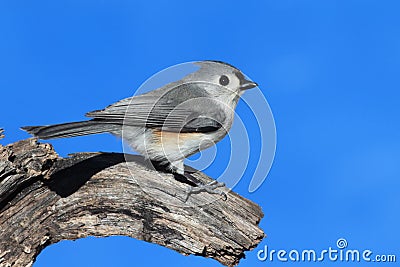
(170,123)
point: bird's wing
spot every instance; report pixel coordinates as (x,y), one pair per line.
(183,108)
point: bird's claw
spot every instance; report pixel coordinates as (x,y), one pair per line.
(211,188)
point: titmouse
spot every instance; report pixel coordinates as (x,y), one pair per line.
(170,123)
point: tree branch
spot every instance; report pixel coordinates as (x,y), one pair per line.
(45,199)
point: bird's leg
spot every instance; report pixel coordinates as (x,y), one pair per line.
(195,185)
(186,179)
(178,173)
(160,166)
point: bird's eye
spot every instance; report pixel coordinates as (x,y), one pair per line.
(223,80)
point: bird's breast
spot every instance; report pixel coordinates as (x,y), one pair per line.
(176,145)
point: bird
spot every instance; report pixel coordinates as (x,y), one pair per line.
(170,123)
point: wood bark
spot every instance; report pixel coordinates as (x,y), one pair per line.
(45,198)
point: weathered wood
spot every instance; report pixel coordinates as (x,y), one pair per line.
(45,199)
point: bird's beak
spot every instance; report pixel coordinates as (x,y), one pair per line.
(246,84)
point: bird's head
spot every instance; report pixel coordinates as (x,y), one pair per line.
(224,79)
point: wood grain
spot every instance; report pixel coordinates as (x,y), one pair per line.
(45,198)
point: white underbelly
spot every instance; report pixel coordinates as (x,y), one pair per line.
(168,146)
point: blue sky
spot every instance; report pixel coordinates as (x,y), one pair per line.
(329,70)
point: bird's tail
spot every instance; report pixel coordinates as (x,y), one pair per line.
(70,129)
